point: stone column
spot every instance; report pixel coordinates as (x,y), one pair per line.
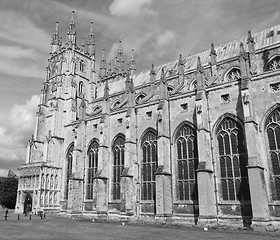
(128,190)
(205,177)
(163,173)
(257,184)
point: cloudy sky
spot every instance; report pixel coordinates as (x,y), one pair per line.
(158,31)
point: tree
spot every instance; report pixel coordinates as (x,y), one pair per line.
(8,192)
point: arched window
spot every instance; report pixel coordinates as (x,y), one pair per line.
(233,161)
(193,85)
(273,135)
(187,162)
(82,64)
(149,165)
(69,162)
(81,88)
(273,64)
(118,164)
(232,75)
(140,97)
(92,168)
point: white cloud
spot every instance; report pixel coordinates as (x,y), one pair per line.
(16,52)
(165,38)
(131,8)
(16,130)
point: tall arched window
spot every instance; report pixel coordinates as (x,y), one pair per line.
(92,167)
(187,162)
(118,164)
(69,162)
(233,161)
(273,135)
(149,165)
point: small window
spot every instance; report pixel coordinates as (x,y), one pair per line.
(184,106)
(94,126)
(225,98)
(82,65)
(149,115)
(81,87)
(140,97)
(275,87)
(119,121)
(278,32)
(270,34)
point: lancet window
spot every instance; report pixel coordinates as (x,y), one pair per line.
(273,135)
(149,165)
(233,161)
(187,162)
(118,165)
(92,168)
(69,163)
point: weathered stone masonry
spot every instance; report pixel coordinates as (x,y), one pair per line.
(195,140)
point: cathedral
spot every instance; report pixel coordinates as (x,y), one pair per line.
(195,140)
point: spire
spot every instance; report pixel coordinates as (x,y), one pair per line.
(199,68)
(56,40)
(71,34)
(250,42)
(213,55)
(242,52)
(200,78)
(106,90)
(132,64)
(83,45)
(162,76)
(109,72)
(103,67)
(180,66)
(119,59)
(91,40)
(152,74)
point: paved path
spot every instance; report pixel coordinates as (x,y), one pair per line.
(65,228)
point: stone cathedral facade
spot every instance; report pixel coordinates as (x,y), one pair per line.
(195,140)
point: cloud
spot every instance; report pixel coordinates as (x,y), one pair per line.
(131,8)
(18,28)
(15,132)
(166,38)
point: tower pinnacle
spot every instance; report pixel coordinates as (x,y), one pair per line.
(71,34)
(56,40)
(91,40)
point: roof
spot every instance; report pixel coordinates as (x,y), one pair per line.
(7,173)
(224,51)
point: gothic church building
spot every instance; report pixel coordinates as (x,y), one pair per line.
(196,140)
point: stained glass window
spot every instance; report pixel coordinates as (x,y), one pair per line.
(69,162)
(233,75)
(92,168)
(273,135)
(149,165)
(187,163)
(233,161)
(118,165)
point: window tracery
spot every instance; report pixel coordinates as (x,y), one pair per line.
(274,64)
(193,85)
(92,168)
(149,165)
(273,135)
(118,165)
(233,75)
(187,162)
(233,161)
